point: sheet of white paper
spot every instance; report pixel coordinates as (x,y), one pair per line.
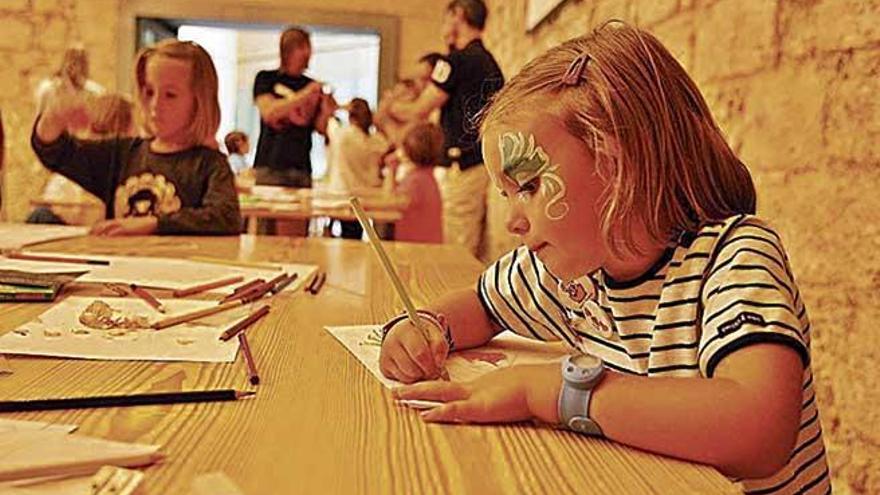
(504,350)
(18,235)
(58,332)
(29,453)
(165,273)
(10,425)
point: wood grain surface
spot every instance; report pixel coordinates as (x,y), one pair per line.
(320,423)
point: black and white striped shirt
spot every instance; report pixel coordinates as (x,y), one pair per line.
(735,272)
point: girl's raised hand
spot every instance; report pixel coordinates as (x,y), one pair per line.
(517,393)
(408,355)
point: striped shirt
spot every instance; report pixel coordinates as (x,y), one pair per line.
(733,277)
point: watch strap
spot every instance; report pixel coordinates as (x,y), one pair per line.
(574,410)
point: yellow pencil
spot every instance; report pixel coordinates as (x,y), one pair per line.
(389,269)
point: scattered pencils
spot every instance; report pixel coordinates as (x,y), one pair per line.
(146,296)
(243,324)
(54,259)
(195,315)
(195,289)
(253,375)
(122,400)
(244,289)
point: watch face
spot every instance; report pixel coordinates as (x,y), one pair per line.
(585,361)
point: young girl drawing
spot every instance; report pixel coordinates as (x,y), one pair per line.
(688,334)
(173,182)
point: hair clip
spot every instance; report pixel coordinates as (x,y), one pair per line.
(575,70)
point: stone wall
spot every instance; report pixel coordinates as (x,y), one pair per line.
(794,85)
(35,34)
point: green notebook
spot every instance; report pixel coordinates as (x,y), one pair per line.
(27,286)
(9,292)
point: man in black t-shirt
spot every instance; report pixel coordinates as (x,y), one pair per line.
(463,83)
(292,106)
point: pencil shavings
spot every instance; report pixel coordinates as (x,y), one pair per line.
(100,316)
(22,332)
(51,333)
(185,341)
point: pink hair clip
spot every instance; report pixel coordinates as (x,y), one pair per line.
(575,71)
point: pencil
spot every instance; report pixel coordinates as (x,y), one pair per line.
(385,261)
(246,264)
(195,315)
(195,289)
(122,400)
(253,375)
(146,296)
(56,259)
(318,282)
(240,326)
(280,286)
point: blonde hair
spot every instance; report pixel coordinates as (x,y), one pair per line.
(206,108)
(661,155)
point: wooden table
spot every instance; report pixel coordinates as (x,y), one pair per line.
(286,203)
(320,422)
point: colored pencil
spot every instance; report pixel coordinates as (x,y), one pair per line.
(243,289)
(122,400)
(385,261)
(146,296)
(195,289)
(55,259)
(240,326)
(318,283)
(253,375)
(195,315)
(280,286)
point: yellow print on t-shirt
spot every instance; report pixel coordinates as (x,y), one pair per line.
(146,195)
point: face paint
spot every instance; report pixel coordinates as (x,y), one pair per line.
(522,162)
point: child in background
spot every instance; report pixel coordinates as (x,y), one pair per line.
(423,214)
(689,337)
(237,148)
(175,181)
(110,116)
(354,155)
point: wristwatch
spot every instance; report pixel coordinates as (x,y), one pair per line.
(580,374)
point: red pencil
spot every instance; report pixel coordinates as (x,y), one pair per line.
(253,375)
(243,324)
(146,296)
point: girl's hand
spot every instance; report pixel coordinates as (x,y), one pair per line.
(517,393)
(64,110)
(126,226)
(408,356)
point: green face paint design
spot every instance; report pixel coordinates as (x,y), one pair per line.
(522,162)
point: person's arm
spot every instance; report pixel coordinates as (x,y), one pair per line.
(274,109)
(743,421)
(219,212)
(326,110)
(430,99)
(91,164)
